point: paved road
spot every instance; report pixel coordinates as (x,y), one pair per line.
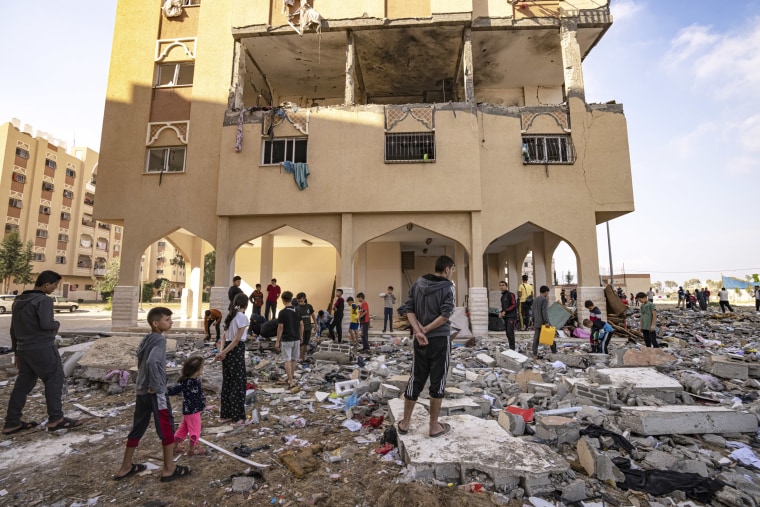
(88,320)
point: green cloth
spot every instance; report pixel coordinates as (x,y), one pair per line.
(646,315)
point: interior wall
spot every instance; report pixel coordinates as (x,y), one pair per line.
(385,259)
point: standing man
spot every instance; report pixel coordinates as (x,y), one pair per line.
(525,293)
(723,300)
(648,320)
(541,318)
(289,333)
(757,299)
(306,312)
(337,321)
(234,289)
(364,321)
(389,302)
(257,300)
(681,295)
(273,292)
(650,295)
(508,312)
(33,331)
(430,304)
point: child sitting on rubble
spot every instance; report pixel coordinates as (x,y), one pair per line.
(323,321)
(601,334)
(353,326)
(193,403)
(152,400)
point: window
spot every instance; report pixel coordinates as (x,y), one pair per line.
(42,233)
(116,248)
(416,147)
(45,210)
(63,238)
(39,257)
(71,173)
(280,150)
(11,228)
(171,160)
(48,186)
(175,74)
(68,194)
(19,177)
(14,203)
(547,150)
(50,163)
(60,259)
(117,229)
(65,216)
(21,152)
(187,3)
(88,287)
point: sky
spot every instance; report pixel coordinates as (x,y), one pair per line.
(686,71)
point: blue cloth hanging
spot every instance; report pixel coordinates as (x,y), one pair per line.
(300,172)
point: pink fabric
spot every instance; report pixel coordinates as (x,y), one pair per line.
(190,426)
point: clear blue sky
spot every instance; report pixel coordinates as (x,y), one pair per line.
(686,71)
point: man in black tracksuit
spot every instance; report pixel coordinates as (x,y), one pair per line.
(508,312)
(428,308)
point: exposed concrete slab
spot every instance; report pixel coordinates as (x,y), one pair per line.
(643,380)
(475,444)
(116,352)
(724,367)
(512,360)
(646,356)
(686,420)
(476,407)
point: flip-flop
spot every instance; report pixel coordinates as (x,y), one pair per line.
(136,469)
(24,426)
(66,424)
(179,472)
(446,428)
(400,431)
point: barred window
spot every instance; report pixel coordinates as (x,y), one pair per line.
(291,149)
(15,203)
(547,150)
(39,257)
(50,163)
(42,233)
(410,147)
(21,152)
(19,177)
(49,187)
(71,173)
(60,259)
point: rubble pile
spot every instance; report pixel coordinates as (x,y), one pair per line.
(676,425)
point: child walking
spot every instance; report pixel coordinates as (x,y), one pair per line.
(353,323)
(193,403)
(153,400)
(232,356)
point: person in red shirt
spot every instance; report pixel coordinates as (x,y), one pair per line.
(364,321)
(273,293)
(257,299)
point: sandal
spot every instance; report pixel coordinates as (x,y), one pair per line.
(400,431)
(179,472)
(136,469)
(23,427)
(446,428)
(66,424)
(197,451)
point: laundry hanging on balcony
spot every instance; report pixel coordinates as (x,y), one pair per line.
(172,8)
(300,172)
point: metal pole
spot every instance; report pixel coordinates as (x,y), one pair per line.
(609,250)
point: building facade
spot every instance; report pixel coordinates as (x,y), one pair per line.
(349,143)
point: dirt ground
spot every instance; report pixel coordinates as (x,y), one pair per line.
(38,468)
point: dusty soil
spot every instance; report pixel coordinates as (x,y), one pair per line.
(41,468)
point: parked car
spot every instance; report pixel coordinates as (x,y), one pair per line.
(5,302)
(62,304)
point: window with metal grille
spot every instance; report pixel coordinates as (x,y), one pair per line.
(63,238)
(21,152)
(19,177)
(50,163)
(49,187)
(11,228)
(68,194)
(170,160)
(42,233)
(410,147)
(15,203)
(45,210)
(71,173)
(547,150)
(65,216)
(39,257)
(60,259)
(276,151)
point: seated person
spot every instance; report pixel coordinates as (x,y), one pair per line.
(323,321)
(601,334)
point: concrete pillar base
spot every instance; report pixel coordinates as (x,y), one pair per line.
(124,307)
(220,300)
(478,308)
(595,294)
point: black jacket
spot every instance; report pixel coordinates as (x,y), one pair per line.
(509,305)
(32,323)
(430,297)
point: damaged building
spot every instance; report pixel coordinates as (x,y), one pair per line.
(358,141)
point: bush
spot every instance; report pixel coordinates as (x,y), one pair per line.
(147,292)
(108,305)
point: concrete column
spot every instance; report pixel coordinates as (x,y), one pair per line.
(266,269)
(350,91)
(220,300)
(515,269)
(124,307)
(194,279)
(361,271)
(493,277)
(467,69)
(572,59)
(460,274)
(539,261)
(476,251)
(345,274)
(184,297)
(223,255)
(595,294)
(478,307)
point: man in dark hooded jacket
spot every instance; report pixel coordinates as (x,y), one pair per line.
(33,331)
(430,304)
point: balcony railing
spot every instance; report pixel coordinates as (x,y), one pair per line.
(99,271)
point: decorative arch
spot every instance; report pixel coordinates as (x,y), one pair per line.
(164,46)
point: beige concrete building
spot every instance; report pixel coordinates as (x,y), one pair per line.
(425,127)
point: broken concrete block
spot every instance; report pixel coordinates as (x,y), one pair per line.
(512,360)
(685,420)
(570,360)
(335,357)
(645,356)
(486,360)
(660,460)
(346,387)
(301,461)
(388,391)
(587,454)
(641,381)
(724,367)
(693,466)
(242,484)
(525,376)
(557,429)
(513,423)
(574,492)
(476,407)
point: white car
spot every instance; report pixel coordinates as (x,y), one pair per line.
(6,301)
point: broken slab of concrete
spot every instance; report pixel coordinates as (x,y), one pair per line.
(512,360)
(686,420)
(645,356)
(641,381)
(476,407)
(724,367)
(475,445)
(554,428)
(117,352)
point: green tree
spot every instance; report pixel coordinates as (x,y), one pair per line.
(209,266)
(15,261)
(670,284)
(147,292)
(657,286)
(692,283)
(105,286)
(569,278)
